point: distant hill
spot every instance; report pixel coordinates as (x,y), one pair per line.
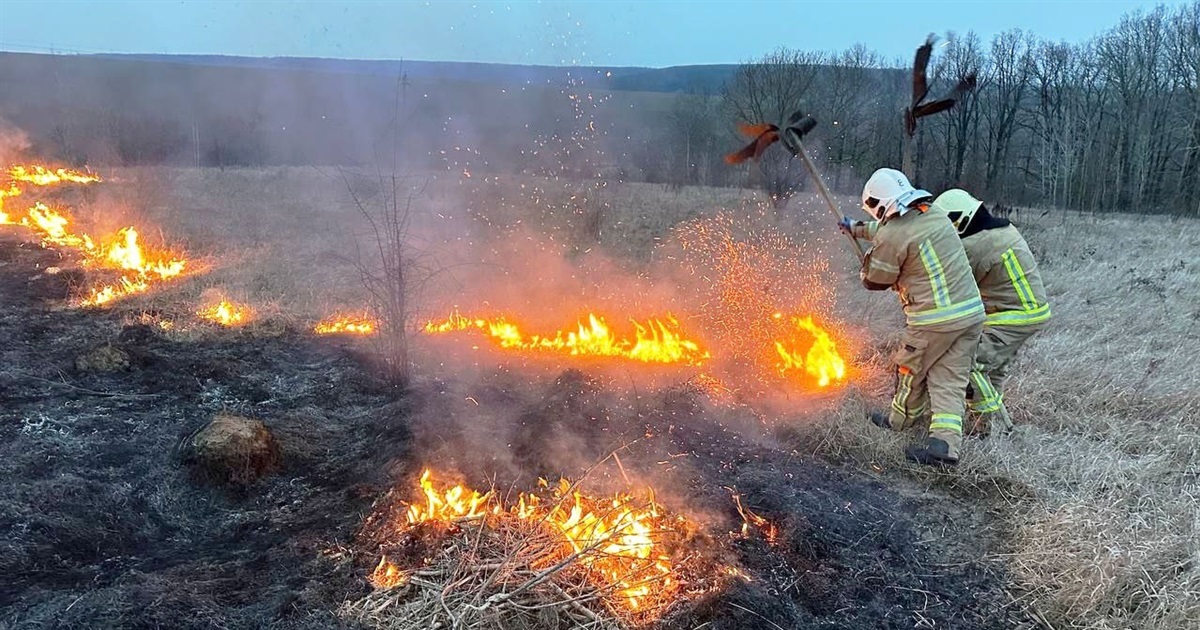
(692,79)
(164,109)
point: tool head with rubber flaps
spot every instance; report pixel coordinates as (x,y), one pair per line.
(889,193)
(792,136)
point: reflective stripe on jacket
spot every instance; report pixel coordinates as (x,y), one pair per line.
(1008,278)
(922,256)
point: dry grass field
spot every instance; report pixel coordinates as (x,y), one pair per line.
(1089,513)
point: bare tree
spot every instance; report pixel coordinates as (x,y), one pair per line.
(767,91)
(388,268)
(963,56)
(1183,59)
(851,89)
(1003,101)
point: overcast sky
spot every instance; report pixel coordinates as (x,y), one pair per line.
(647,33)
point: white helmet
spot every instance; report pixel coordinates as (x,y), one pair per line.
(888,193)
(959,205)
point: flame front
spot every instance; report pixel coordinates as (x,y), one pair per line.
(653,341)
(617,539)
(41,176)
(140,268)
(361,324)
(227,313)
(812,351)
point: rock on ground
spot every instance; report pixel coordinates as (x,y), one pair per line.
(233,450)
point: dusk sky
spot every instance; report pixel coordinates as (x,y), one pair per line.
(555,33)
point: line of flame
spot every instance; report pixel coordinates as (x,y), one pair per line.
(654,340)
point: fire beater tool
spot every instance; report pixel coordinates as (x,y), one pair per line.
(798,125)
(917,108)
(792,134)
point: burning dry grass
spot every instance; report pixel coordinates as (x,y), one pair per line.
(653,340)
(138,266)
(347,324)
(455,557)
(226,313)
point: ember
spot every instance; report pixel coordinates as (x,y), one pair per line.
(387,575)
(768,529)
(360,324)
(652,341)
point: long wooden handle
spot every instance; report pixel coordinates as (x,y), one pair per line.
(812,170)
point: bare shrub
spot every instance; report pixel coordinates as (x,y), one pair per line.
(388,265)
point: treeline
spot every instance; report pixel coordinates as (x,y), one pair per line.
(1110,124)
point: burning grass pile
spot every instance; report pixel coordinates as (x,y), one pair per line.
(555,557)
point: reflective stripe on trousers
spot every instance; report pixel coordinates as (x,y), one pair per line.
(989,399)
(903,391)
(946,422)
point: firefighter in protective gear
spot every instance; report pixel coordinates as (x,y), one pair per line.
(1013,297)
(916,251)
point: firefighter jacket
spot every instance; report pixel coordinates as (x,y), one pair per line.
(920,255)
(1008,278)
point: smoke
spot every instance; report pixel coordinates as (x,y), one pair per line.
(13,142)
(521,213)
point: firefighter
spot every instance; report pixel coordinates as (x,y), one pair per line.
(917,252)
(1013,297)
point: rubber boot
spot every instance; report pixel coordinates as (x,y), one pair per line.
(933,452)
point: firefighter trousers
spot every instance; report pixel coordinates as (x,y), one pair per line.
(932,371)
(998,346)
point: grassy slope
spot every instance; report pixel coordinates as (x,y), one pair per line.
(1100,483)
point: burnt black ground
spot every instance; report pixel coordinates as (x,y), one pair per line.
(854,550)
(101,525)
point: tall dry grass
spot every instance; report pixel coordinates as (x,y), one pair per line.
(1100,483)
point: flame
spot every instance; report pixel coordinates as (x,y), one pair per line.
(616,539)
(653,341)
(769,530)
(360,324)
(42,176)
(227,313)
(120,252)
(448,505)
(387,575)
(11,191)
(621,532)
(813,351)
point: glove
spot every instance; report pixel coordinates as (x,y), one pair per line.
(847,226)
